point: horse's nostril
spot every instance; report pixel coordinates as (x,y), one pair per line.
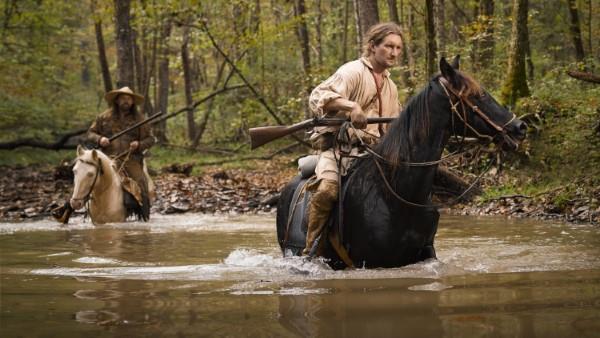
(523,127)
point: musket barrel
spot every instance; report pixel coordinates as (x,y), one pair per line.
(137,125)
(264,135)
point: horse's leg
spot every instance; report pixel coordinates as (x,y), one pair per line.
(428,251)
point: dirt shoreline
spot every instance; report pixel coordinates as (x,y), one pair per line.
(32,192)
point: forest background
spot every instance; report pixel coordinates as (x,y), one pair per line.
(221,67)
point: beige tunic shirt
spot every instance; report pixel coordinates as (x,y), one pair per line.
(354,81)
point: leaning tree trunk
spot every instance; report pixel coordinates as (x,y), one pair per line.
(101,49)
(367,15)
(431,47)
(124,46)
(576,31)
(515,84)
(160,130)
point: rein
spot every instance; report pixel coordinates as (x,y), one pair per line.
(418,205)
(98,167)
(462,100)
(463,117)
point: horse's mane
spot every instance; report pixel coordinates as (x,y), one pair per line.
(413,123)
(107,162)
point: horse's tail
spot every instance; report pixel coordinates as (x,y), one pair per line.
(151,185)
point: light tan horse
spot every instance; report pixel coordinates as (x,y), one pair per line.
(97,181)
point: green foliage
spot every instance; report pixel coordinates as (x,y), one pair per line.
(50,81)
(46,72)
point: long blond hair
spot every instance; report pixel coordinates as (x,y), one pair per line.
(377,33)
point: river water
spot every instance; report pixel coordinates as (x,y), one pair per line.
(198,275)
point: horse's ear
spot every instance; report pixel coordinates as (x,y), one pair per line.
(448,71)
(79,150)
(94,155)
(456,62)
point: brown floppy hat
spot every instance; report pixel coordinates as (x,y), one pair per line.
(112,95)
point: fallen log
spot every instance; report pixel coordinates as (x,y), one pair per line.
(584,76)
(61,143)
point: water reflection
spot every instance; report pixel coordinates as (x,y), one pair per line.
(362,309)
(184,277)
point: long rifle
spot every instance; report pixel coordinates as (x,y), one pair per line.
(137,125)
(263,135)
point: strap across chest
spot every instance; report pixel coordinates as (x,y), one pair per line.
(378,87)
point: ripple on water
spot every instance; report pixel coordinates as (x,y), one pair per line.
(248,265)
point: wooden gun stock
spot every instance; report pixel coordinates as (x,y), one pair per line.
(264,135)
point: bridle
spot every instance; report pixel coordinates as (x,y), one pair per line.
(462,100)
(98,166)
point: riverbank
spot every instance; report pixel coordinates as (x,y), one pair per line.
(33,191)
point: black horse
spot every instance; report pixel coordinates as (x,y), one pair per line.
(388,219)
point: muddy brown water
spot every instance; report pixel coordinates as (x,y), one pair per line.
(198,275)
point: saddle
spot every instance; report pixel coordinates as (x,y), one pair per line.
(134,200)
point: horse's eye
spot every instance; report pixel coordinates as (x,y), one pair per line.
(90,174)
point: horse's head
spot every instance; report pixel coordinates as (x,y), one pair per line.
(87,169)
(475,109)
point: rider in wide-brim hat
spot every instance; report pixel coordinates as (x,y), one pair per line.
(113,94)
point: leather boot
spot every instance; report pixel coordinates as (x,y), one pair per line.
(321,203)
(62,214)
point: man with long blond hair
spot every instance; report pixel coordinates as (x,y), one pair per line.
(357,90)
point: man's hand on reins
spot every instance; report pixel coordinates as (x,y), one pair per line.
(103,142)
(358,118)
(134,145)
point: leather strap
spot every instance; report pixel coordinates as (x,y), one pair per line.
(379,126)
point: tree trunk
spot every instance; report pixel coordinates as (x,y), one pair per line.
(106,79)
(393,10)
(486,43)
(187,79)
(150,72)
(345,31)
(124,44)
(410,59)
(431,47)
(367,15)
(205,117)
(302,33)
(528,58)
(576,31)
(160,130)
(440,27)
(319,33)
(590,47)
(404,65)
(515,84)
